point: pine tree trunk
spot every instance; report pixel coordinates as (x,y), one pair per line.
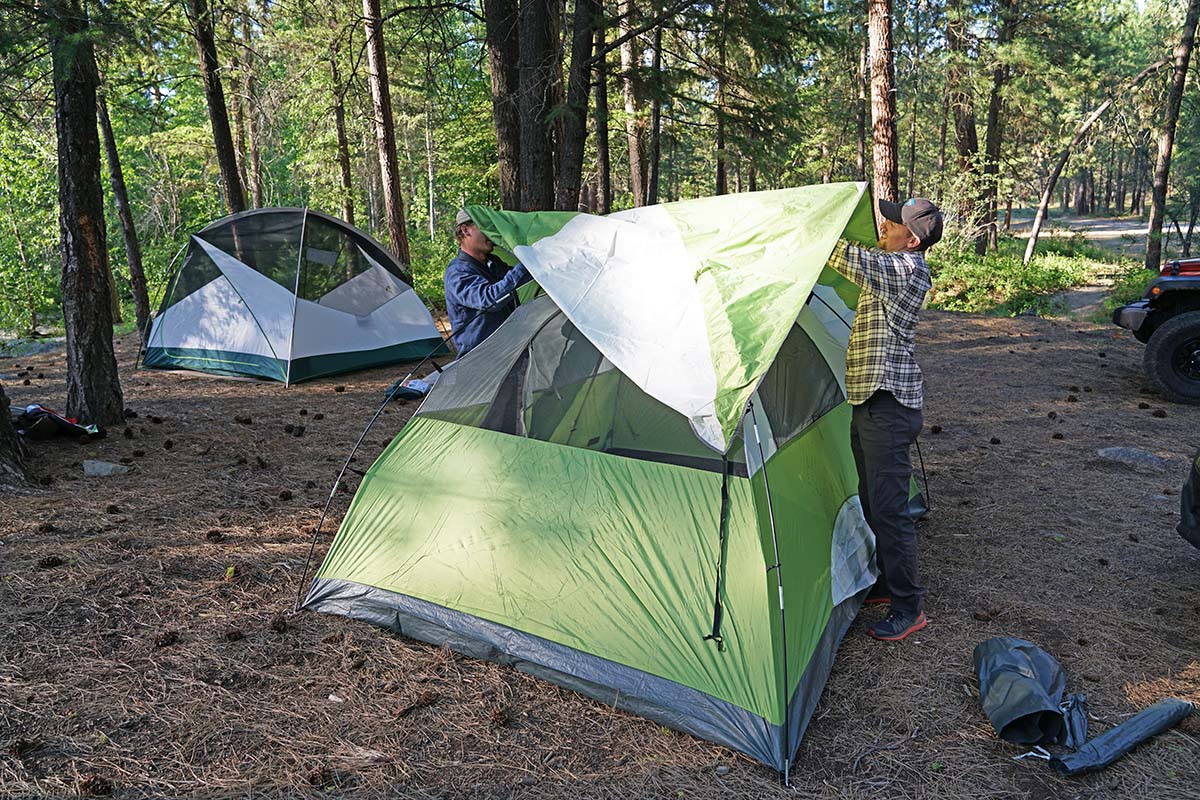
(1166,141)
(860,157)
(963,105)
(884,159)
(343,144)
(133,249)
(93,388)
(430,164)
(538,58)
(722,157)
(12,465)
(941,161)
(603,159)
(218,114)
(253,133)
(574,121)
(374,191)
(995,131)
(504,54)
(634,134)
(1120,188)
(655,121)
(238,109)
(385,131)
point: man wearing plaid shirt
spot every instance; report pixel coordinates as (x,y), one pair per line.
(885,389)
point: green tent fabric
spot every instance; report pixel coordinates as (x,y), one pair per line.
(554,510)
(738,269)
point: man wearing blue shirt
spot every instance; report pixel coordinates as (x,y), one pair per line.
(480,288)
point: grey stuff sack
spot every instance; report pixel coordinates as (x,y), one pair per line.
(1116,742)
(1021,688)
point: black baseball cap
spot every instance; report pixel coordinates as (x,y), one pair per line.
(921,217)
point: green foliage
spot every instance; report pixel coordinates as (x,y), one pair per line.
(1129,286)
(999,283)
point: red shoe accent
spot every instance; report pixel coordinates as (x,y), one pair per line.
(916,626)
(877,601)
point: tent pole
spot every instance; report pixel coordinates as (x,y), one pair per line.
(137,364)
(295,299)
(778,568)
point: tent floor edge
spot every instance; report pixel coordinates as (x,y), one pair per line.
(305,368)
(216,362)
(640,693)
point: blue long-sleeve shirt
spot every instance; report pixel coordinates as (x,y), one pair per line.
(479,297)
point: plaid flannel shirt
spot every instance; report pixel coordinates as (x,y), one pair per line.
(881,354)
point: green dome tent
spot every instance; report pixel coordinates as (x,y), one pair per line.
(288,294)
(640,487)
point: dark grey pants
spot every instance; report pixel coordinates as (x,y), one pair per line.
(881,431)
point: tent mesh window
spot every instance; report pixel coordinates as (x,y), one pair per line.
(197,271)
(339,270)
(267,243)
(540,378)
(798,389)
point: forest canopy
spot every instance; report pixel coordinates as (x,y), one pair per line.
(595,105)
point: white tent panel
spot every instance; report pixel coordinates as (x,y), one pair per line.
(270,303)
(321,330)
(211,318)
(610,276)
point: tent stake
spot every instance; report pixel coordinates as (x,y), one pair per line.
(778,568)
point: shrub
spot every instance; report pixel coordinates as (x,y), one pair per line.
(1000,283)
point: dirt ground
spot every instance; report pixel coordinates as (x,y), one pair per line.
(148,649)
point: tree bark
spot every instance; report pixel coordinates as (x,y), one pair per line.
(504,53)
(12,465)
(995,128)
(603,160)
(1166,141)
(218,114)
(385,131)
(537,63)
(574,121)
(634,133)
(133,248)
(721,179)
(963,105)
(343,144)
(431,174)
(884,160)
(655,121)
(93,388)
(253,129)
(860,156)
(1083,128)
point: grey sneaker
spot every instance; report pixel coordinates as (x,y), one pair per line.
(895,627)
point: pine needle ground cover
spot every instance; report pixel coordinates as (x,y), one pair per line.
(147,647)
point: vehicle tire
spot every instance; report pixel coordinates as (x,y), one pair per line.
(1172,358)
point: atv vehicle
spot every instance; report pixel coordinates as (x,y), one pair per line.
(1167,321)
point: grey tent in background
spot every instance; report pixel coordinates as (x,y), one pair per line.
(288,294)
